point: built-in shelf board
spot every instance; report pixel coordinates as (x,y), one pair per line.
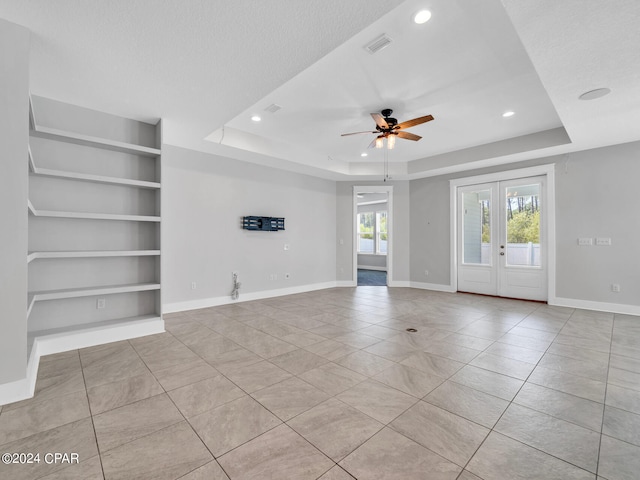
(92,254)
(63,339)
(47,172)
(88,140)
(90,215)
(90,291)
(40,334)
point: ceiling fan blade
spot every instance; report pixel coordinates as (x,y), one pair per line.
(355,133)
(414,122)
(380,121)
(408,136)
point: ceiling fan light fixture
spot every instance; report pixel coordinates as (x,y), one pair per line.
(379,142)
(256,118)
(391,142)
(508,114)
(423,16)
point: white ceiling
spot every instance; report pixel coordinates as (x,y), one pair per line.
(202,65)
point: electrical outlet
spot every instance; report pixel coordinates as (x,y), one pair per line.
(193,285)
(287,246)
(287,276)
(603,241)
(426,273)
(101,303)
(585,242)
(615,287)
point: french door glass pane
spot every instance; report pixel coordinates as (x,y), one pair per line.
(381,218)
(476,227)
(523,225)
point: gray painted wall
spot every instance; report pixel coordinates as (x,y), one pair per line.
(345,224)
(596,196)
(204,198)
(14,138)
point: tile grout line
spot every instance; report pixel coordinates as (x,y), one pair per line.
(606,386)
(93,426)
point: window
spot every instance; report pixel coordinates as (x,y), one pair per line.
(372,232)
(381,227)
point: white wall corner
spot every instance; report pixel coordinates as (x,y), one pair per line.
(15,391)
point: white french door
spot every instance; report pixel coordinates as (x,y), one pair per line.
(502,238)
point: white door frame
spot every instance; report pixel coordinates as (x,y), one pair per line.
(549,218)
(388,189)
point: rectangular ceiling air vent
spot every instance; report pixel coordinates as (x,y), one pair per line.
(378,44)
(273,108)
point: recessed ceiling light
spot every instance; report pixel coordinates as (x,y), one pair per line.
(255,118)
(422,16)
(508,114)
(364,154)
(593,94)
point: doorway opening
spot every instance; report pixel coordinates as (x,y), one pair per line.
(372,231)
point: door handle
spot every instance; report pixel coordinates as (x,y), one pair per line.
(501,253)
(501,246)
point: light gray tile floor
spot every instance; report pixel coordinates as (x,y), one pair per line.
(329,385)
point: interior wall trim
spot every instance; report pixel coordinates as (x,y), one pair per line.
(597,306)
(244,297)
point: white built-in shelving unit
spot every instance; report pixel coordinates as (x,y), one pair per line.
(94,225)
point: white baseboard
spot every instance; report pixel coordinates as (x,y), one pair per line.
(346,283)
(16,391)
(244,297)
(399,284)
(438,287)
(598,306)
(72,340)
(369,267)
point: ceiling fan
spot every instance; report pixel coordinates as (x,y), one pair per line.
(389,128)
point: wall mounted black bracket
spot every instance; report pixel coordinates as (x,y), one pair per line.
(266,224)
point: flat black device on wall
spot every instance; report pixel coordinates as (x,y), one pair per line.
(266,224)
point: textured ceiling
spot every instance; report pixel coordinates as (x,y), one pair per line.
(202,64)
(195,63)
